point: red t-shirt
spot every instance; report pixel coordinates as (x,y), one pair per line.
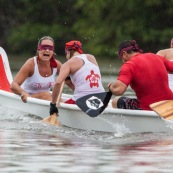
(147,76)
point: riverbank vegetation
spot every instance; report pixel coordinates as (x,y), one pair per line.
(99,24)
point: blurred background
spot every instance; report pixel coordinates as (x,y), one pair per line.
(99,24)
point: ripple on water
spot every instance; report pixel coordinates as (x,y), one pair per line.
(29,145)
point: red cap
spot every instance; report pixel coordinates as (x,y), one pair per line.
(74,45)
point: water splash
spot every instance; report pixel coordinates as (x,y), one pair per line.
(120,129)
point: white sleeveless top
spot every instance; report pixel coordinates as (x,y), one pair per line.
(87,79)
(37,83)
(170,80)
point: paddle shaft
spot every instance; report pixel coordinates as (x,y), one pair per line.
(53,117)
(60,94)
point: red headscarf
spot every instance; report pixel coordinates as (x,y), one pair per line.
(74,45)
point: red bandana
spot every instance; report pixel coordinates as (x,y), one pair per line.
(74,45)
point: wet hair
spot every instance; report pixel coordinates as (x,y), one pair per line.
(128,46)
(46,38)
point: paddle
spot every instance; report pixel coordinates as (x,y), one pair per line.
(52,119)
(163,108)
(94,104)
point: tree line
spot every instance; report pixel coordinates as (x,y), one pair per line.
(99,24)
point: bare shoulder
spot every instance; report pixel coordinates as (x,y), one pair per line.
(29,63)
(74,61)
(89,56)
(26,70)
(28,66)
(162,52)
(92,58)
(167,53)
(73,64)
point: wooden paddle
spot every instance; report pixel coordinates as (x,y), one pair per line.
(163,108)
(52,119)
(94,104)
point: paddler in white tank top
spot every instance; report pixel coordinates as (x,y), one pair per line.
(37,76)
(37,83)
(83,70)
(168,54)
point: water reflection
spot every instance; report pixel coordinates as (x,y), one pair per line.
(29,151)
(28,145)
(149,156)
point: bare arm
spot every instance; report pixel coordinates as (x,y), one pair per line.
(64,72)
(70,84)
(25,71)
(67,82)
(118,87)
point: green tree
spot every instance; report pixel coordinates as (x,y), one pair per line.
(100,24)
(106,23)
(40,18)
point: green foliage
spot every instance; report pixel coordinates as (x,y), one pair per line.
(110,22)
(100,24)
(26,36)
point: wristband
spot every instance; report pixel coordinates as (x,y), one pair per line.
(52,104)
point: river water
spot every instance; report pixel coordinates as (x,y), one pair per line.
(27,145)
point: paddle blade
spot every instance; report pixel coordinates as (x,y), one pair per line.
(163,108)
(94,104)
(54,119)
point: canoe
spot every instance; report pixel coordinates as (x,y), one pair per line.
(111,120)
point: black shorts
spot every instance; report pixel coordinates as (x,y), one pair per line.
(128,103)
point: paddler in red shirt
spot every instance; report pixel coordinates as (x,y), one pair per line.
(146,73)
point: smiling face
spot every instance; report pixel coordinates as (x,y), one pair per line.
(46,50)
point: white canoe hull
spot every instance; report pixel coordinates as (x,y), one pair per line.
(111,120)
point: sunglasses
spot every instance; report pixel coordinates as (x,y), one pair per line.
(45,47)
